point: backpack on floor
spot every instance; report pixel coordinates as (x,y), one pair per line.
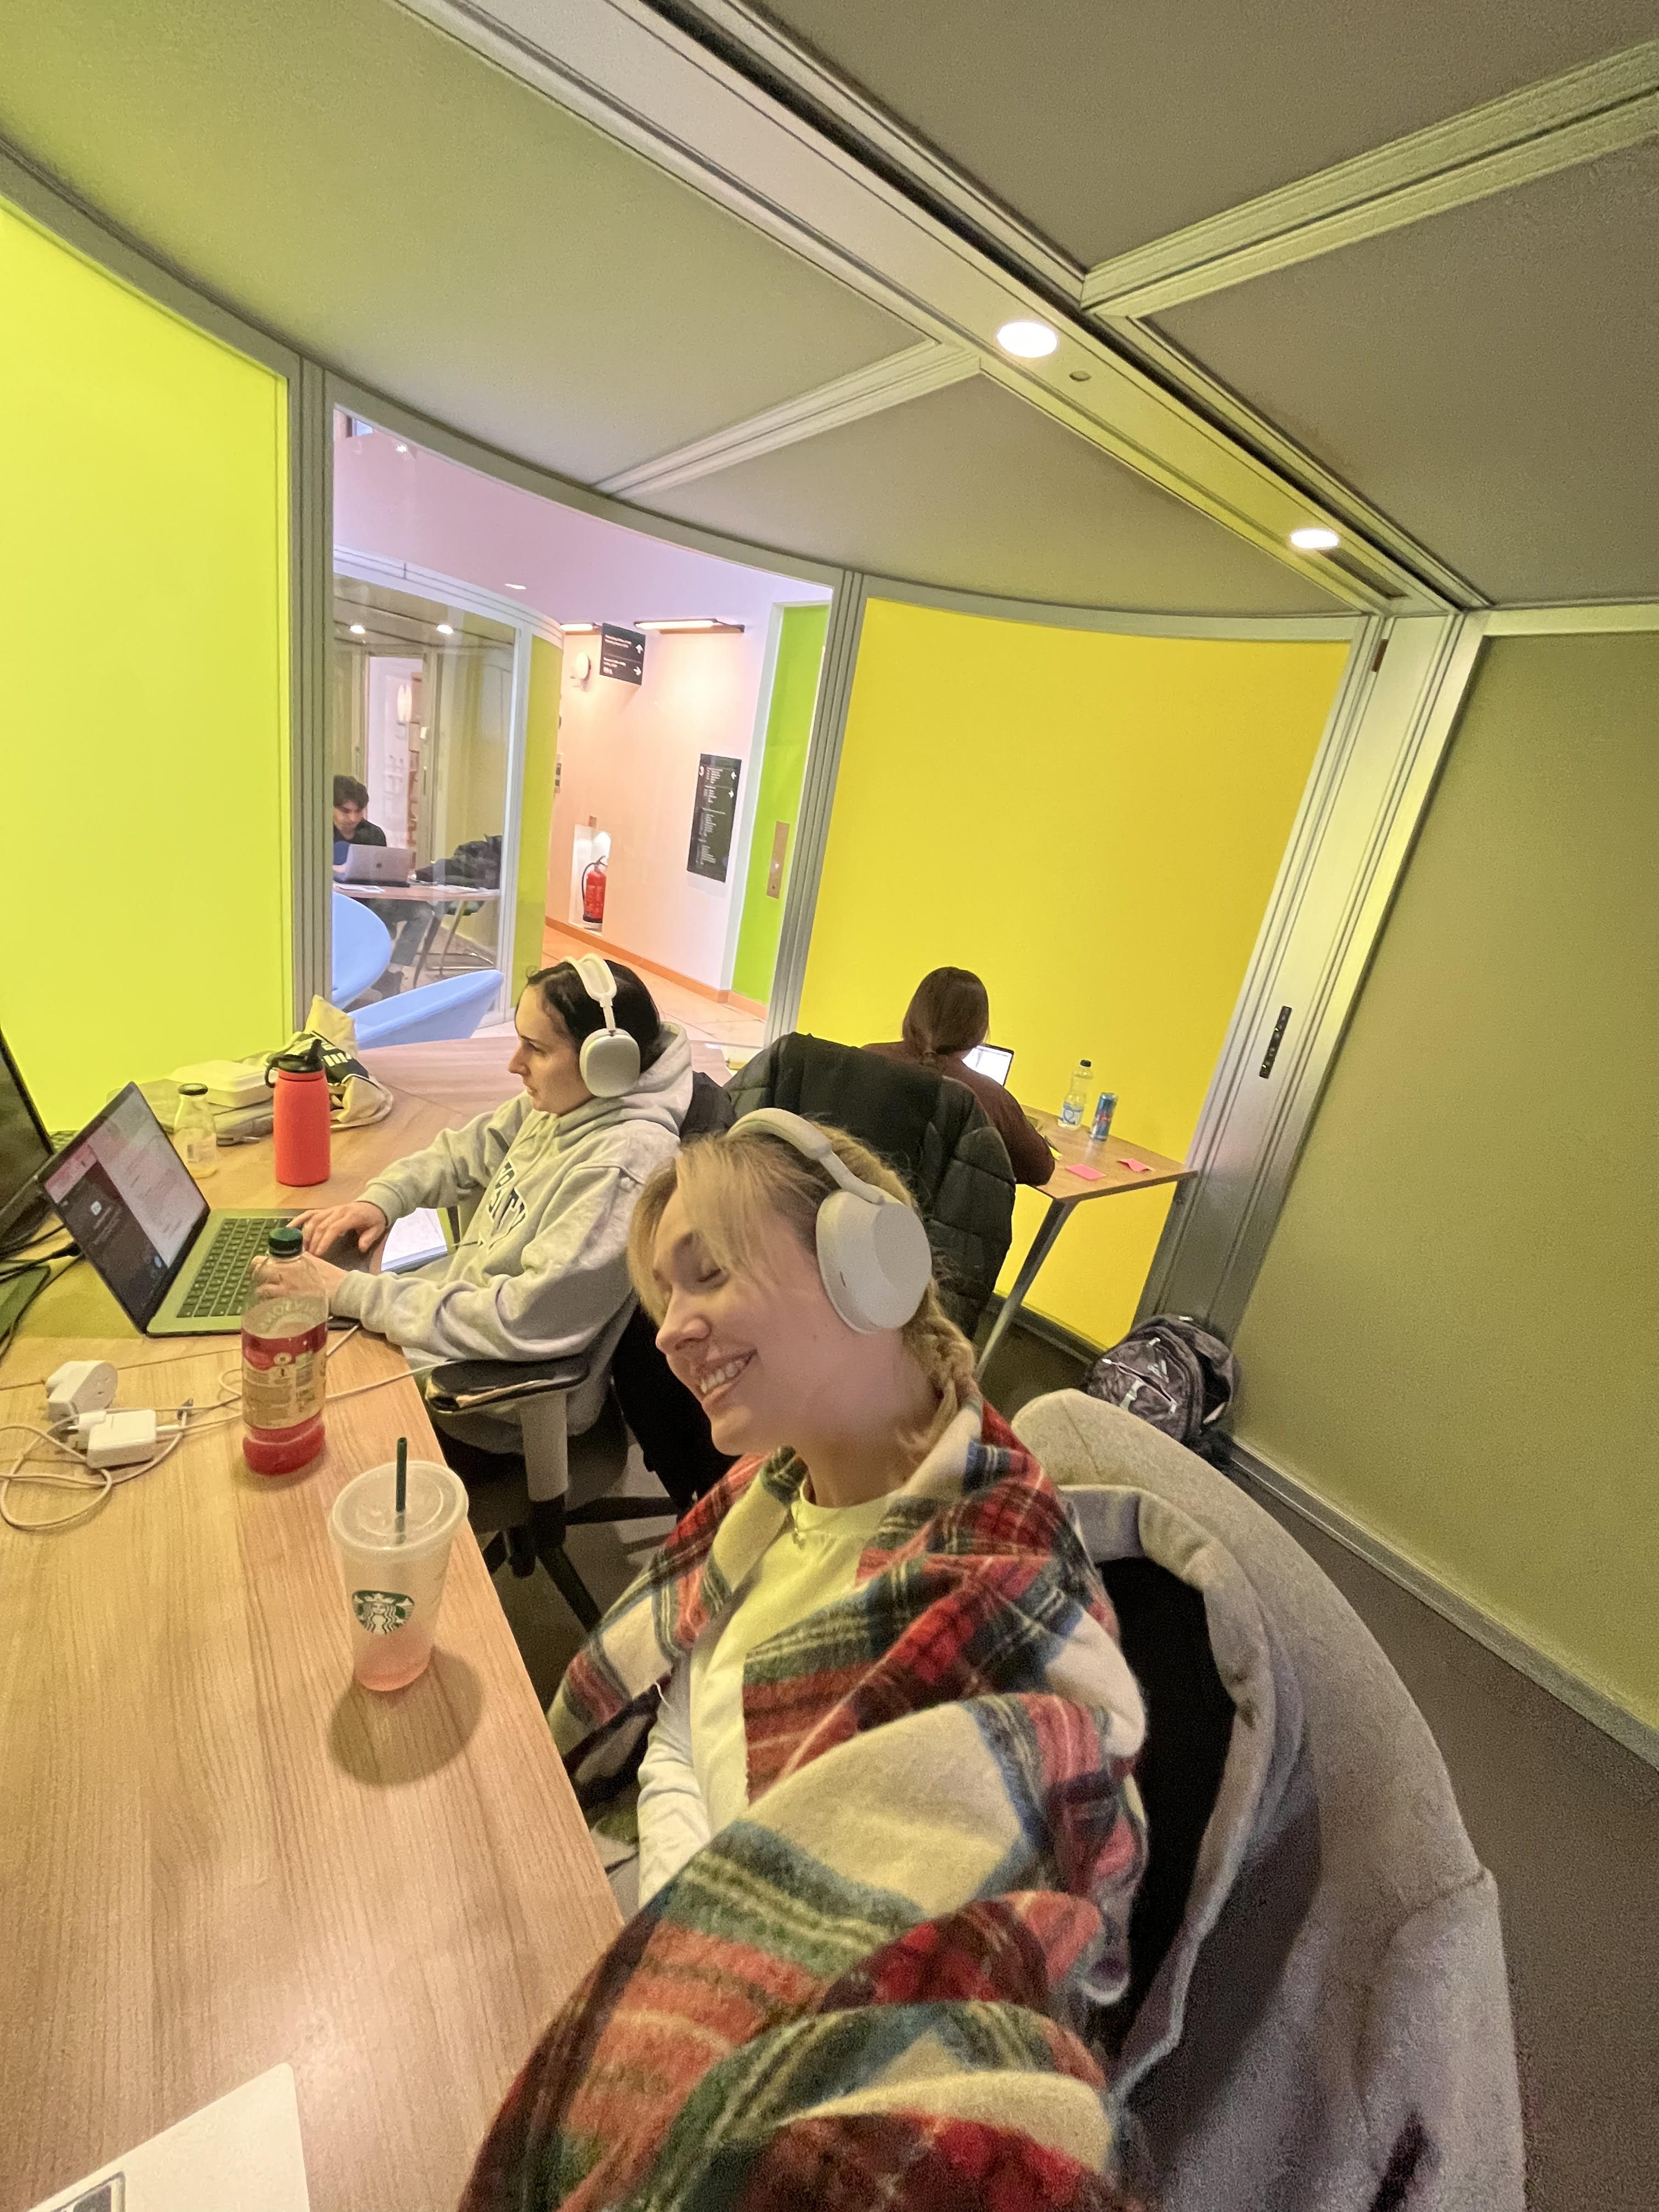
(1173,1373)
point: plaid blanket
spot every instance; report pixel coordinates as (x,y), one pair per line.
(876,1986)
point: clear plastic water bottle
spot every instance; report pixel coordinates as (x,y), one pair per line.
(195,1139)
(1077,1097)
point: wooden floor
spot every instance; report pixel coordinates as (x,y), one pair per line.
(703,1015)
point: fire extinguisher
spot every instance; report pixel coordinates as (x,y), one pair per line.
(593,893)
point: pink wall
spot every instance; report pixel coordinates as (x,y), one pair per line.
(628,754)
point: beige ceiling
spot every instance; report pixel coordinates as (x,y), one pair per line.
(1491,377)
(1107,122)
(373,191)
(974,489)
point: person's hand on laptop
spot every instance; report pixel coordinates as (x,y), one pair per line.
(326,1226)
(307,1277)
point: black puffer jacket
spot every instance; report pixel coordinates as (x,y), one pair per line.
(932,1132)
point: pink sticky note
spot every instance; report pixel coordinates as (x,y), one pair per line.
(1088,1175)
(1136,1166)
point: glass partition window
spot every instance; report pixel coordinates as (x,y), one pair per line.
(421,716)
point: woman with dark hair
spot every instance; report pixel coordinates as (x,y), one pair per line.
(949,1014)
(550,1178)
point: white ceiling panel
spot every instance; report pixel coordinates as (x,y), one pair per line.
(1489,378)
(1107,122)
(974,489)
(387,200)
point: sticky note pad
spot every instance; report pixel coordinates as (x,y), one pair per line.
(1088,1175)
(1136,1166)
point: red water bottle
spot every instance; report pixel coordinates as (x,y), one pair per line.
(300,1113)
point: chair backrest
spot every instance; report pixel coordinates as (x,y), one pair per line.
(933,1133)
(362,949)
(432,1014)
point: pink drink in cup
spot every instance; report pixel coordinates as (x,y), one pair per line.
(393,1576)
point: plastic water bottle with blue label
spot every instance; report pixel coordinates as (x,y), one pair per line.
(1077,1097)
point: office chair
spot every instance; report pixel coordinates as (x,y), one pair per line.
(933,1133)
(431,1012)
(521,1501)
(360,948)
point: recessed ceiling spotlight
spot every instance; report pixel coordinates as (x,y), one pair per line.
(518,588)
(1316,539)
(445,629)
(1028,341)
(357,631)
(402,449)
(1079,375)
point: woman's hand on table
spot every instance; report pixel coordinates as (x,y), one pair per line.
(326,1226)
(306,1278)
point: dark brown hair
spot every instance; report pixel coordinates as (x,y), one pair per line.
(564,994)
(348,792)
(950,1013)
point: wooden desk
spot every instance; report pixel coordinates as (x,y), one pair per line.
(1065,1191)
(216,1853)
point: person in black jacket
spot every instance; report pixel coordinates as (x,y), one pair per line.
(352,823)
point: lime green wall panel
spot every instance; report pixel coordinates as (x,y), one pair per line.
(1452,1336)
(783,765)
(536,811)
(143,692)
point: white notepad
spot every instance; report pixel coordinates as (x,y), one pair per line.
(242,2151)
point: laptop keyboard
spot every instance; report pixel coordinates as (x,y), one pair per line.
(223,1285)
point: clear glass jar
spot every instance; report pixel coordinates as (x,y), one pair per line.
(195,1138)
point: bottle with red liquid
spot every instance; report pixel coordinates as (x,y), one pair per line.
(300,1113)
(284,1371)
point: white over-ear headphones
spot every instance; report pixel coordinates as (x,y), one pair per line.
(609,1058)
(873,1253)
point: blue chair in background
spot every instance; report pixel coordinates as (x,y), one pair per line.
(362,950)
(452,1008)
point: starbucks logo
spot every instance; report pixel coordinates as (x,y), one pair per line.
(381,1611)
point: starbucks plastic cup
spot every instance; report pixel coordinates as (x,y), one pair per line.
(394,1578)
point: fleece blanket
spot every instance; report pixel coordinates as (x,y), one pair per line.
(878,1986)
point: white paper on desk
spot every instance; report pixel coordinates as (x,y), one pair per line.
(243,2151)
(411,1241)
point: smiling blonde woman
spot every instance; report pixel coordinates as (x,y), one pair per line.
(883,1735)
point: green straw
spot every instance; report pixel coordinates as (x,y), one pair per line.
(403,1482)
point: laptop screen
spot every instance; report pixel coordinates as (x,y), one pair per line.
(990,1059)
(24,1150)
(128,1201)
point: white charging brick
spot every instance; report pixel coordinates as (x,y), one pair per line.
(121,1439)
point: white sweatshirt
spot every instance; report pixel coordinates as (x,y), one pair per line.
(542,1269)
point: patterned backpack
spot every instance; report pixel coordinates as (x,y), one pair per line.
(1171,1372)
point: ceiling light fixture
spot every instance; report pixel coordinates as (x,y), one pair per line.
(358,630)
(402,449)
(1027,340)
(568,627)
(518,588)
(1315,538)
(666,623)
(445,629)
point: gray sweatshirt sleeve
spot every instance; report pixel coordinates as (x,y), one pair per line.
(457,1165)
(574,1279)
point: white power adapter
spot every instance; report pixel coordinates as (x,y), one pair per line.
(119,1439)
(79,1386)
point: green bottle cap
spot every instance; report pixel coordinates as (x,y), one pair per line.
(192,1091)
(285,1243)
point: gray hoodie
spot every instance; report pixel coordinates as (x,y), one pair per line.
(1329,2031)
(542,1270)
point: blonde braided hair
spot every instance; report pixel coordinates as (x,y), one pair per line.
(729,1184)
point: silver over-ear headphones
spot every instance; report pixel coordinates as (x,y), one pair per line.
(609,1058)
(873,1253)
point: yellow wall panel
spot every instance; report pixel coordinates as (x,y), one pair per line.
(143,692)
(1094,823)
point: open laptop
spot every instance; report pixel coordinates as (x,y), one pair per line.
(990,1059)
(377,863)
(176,1267)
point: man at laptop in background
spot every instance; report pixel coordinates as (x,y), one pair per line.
(352,823)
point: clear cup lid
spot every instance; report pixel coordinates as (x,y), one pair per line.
(365,1514)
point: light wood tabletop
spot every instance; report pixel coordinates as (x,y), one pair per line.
(1114,1165)
(216,1853)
